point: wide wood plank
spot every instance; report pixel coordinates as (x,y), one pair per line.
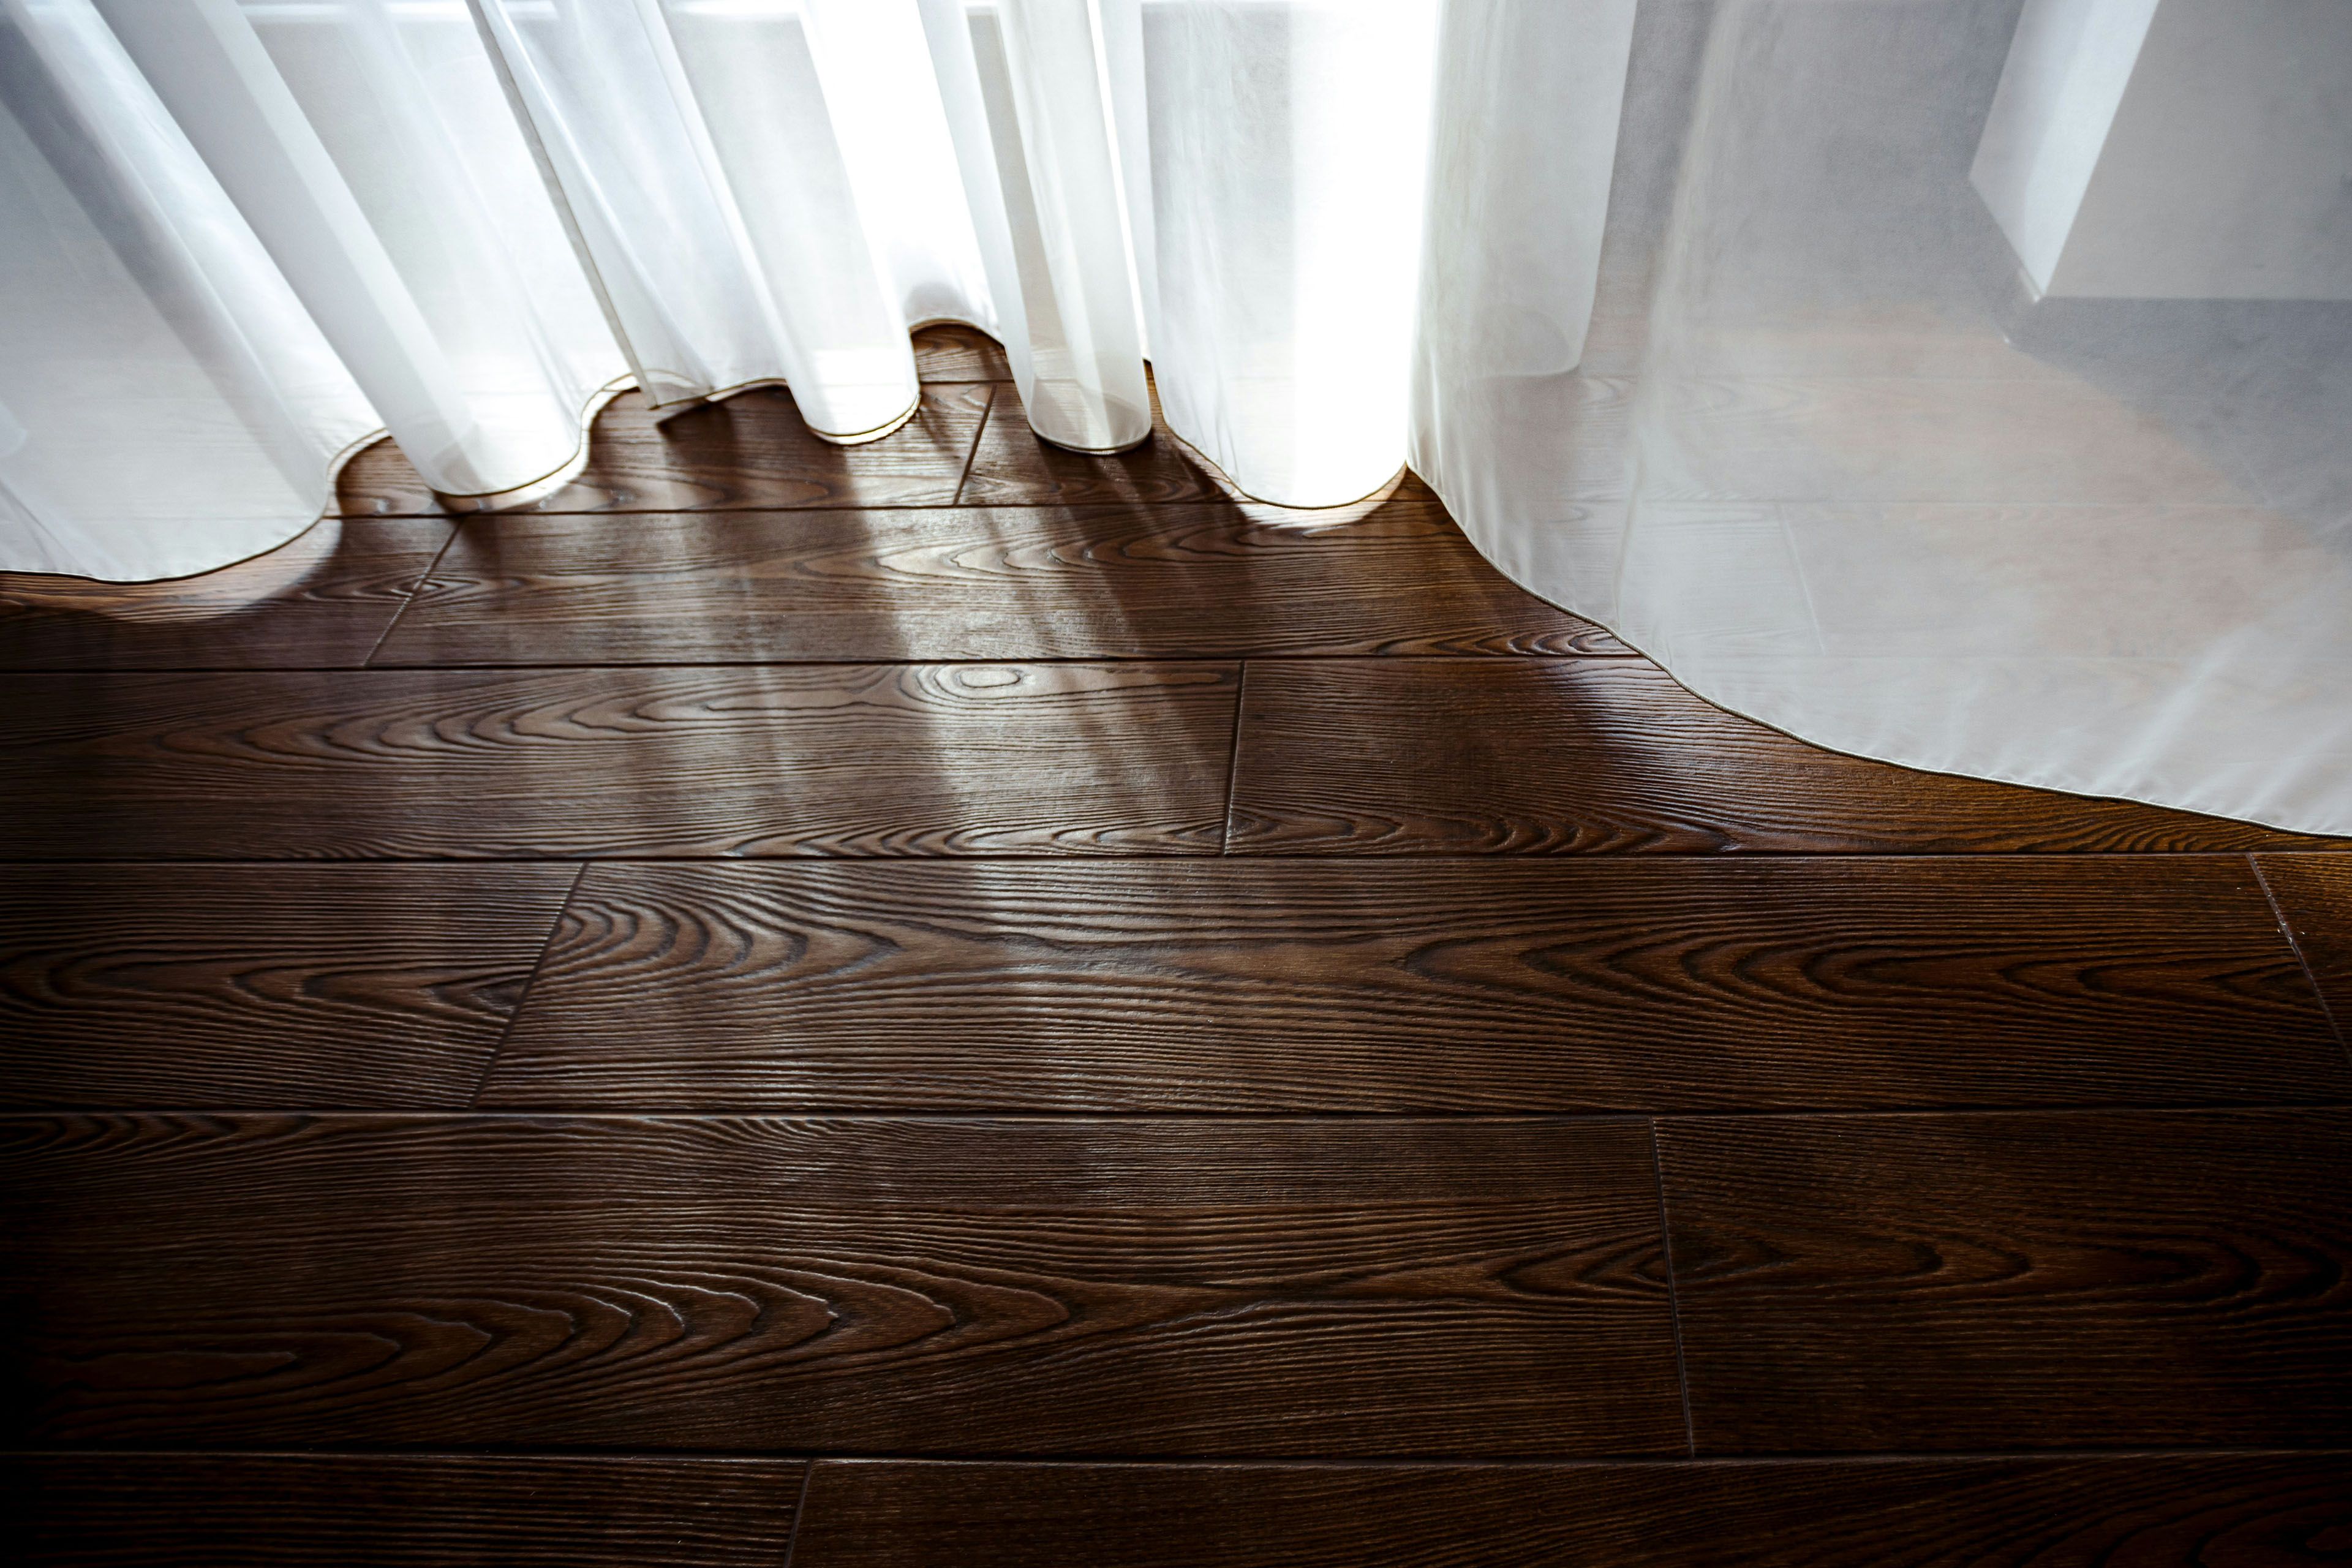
(752,449)
(2150,1511)
(400,1510)
(1004,583)
(952,1286)
(1398,986)
(2314,896)
(320,600)
(2009,1281)
(263,985)
(821,760)
(1544,756)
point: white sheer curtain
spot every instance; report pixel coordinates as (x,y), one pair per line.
(1962,383)
(1959,382)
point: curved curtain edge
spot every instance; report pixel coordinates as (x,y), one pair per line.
(1506,416)
(2061,781)
(270,534)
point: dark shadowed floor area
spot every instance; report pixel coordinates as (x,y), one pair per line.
(946,1002)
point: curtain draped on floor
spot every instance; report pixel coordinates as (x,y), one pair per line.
(1964,383)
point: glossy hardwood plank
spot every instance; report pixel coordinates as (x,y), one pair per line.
(1012,466)
(950,351)
(428,1510)
(1525,756)
(752,449)
(1006,583)
(807,760)
(2150,1511)
(952,1286)
(2094,1278)
(263,985)
(1402,986)
(2314,896)
(321,599)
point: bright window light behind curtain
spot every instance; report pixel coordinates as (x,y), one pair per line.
(1959,382)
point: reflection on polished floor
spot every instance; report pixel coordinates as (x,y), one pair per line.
(951,1002)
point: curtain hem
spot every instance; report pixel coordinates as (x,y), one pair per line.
(555,479)
(1379,492)
(1892,756)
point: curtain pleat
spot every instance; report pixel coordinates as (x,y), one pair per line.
(494,213)
(1957,382)
(410,222)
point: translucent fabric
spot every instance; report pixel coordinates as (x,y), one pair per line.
(366,145)
(166,404)
(1961,382)
(1957,382)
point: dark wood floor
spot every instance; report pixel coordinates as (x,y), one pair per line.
(947,1003)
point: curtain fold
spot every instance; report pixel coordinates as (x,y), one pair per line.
(1960,382)
(168,405)
(371,160)
(1957,382)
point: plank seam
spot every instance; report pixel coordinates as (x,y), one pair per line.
(494,1114)
(789,1111)
(2295,944)
(555,929)
(569,854)
(817,662)
(972,453)
(800,1511)
(1459,858)
(813,1457)
(731,509)
(1674,1301)
(1234,756)
(409,598)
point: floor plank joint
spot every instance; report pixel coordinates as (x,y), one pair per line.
(952,1001)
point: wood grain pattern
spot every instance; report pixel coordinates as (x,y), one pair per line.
(1007,583)
(750,450)
(400,1510)
(2313,894)
(322,599)
(1104,1120)
(263,985)
(1010,466)
(857,760)
(953,1286)
(1403,985)
(2170,1512)
(2094,1278)
(1541,756)
(950,351)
